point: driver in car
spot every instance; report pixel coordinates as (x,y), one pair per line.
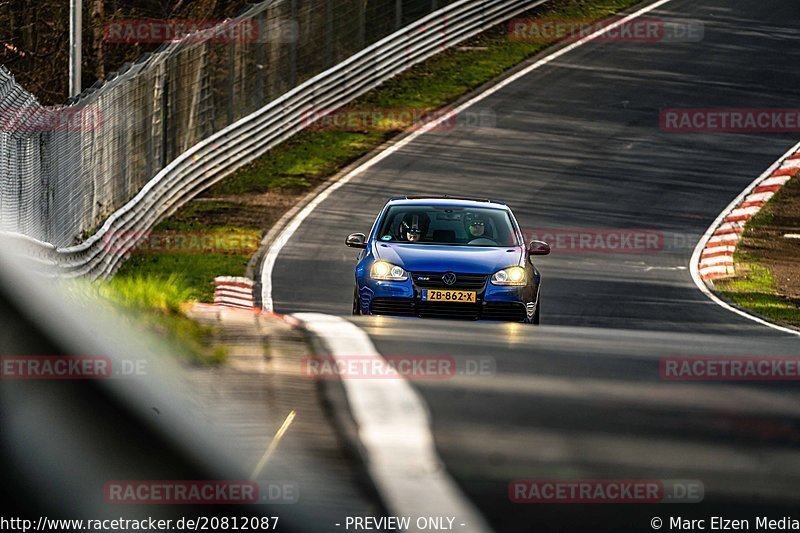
(476,228)
(414,227)
(479,231)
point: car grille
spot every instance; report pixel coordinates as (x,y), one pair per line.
(463,281)
(393,306)
(448,310)
(506,311)
(509,311)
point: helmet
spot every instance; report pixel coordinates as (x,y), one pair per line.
(475,225)
(414,226)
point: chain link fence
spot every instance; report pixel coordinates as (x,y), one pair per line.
(65,169)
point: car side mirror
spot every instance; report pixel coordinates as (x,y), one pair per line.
(356,240)
(538,248)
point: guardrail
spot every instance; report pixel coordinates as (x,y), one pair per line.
(221,154)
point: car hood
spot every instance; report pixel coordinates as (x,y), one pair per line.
(461,259)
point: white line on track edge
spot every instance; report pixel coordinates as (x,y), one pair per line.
(694,262)
(394,429)
(275,248)
(351,339)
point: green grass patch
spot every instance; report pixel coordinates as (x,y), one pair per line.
(196,270)
(139,293)
(312,156)
(193,216)
(187,247)
(430,85)
(153,304)
(754,288)
(298,162)
(765,217)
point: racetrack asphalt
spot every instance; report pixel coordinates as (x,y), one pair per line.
(577,145)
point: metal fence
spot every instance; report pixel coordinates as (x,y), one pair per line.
(235,145)
(63,170)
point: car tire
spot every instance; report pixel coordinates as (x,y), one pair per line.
(356,303)
(535,319)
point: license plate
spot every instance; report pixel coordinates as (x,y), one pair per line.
(467,297)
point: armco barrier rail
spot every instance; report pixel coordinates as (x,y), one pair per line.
(250,137)
(65,169)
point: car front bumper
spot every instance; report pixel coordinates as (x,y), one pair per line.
(391,298)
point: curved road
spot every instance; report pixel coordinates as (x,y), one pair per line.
(577,145)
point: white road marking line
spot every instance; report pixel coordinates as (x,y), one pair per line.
(273,444)
(394,428)
(695,261)
(275,248)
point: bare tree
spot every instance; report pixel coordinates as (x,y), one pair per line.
(34,37)
(98,38)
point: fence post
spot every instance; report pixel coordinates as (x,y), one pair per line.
(122,154)
(260,58)
(46,221)
(231,86)
(398,14)
(329,35)
(293,48)
(164,117)
(173,123)
(362,24)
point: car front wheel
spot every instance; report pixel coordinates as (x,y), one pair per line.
(356,303)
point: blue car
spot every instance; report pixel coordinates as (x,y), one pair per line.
(447,257)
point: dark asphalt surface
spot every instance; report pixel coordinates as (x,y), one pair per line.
(590,403)
(577,145)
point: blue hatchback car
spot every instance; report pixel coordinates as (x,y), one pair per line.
(447,257)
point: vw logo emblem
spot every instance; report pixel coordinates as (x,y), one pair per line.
(449,278)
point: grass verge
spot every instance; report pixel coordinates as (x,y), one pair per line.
(767,263)
(255,197)
(754,288)
(154,304)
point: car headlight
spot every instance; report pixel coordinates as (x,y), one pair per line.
(381,270)
(510,276)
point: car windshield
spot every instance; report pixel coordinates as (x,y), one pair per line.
(450,225)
